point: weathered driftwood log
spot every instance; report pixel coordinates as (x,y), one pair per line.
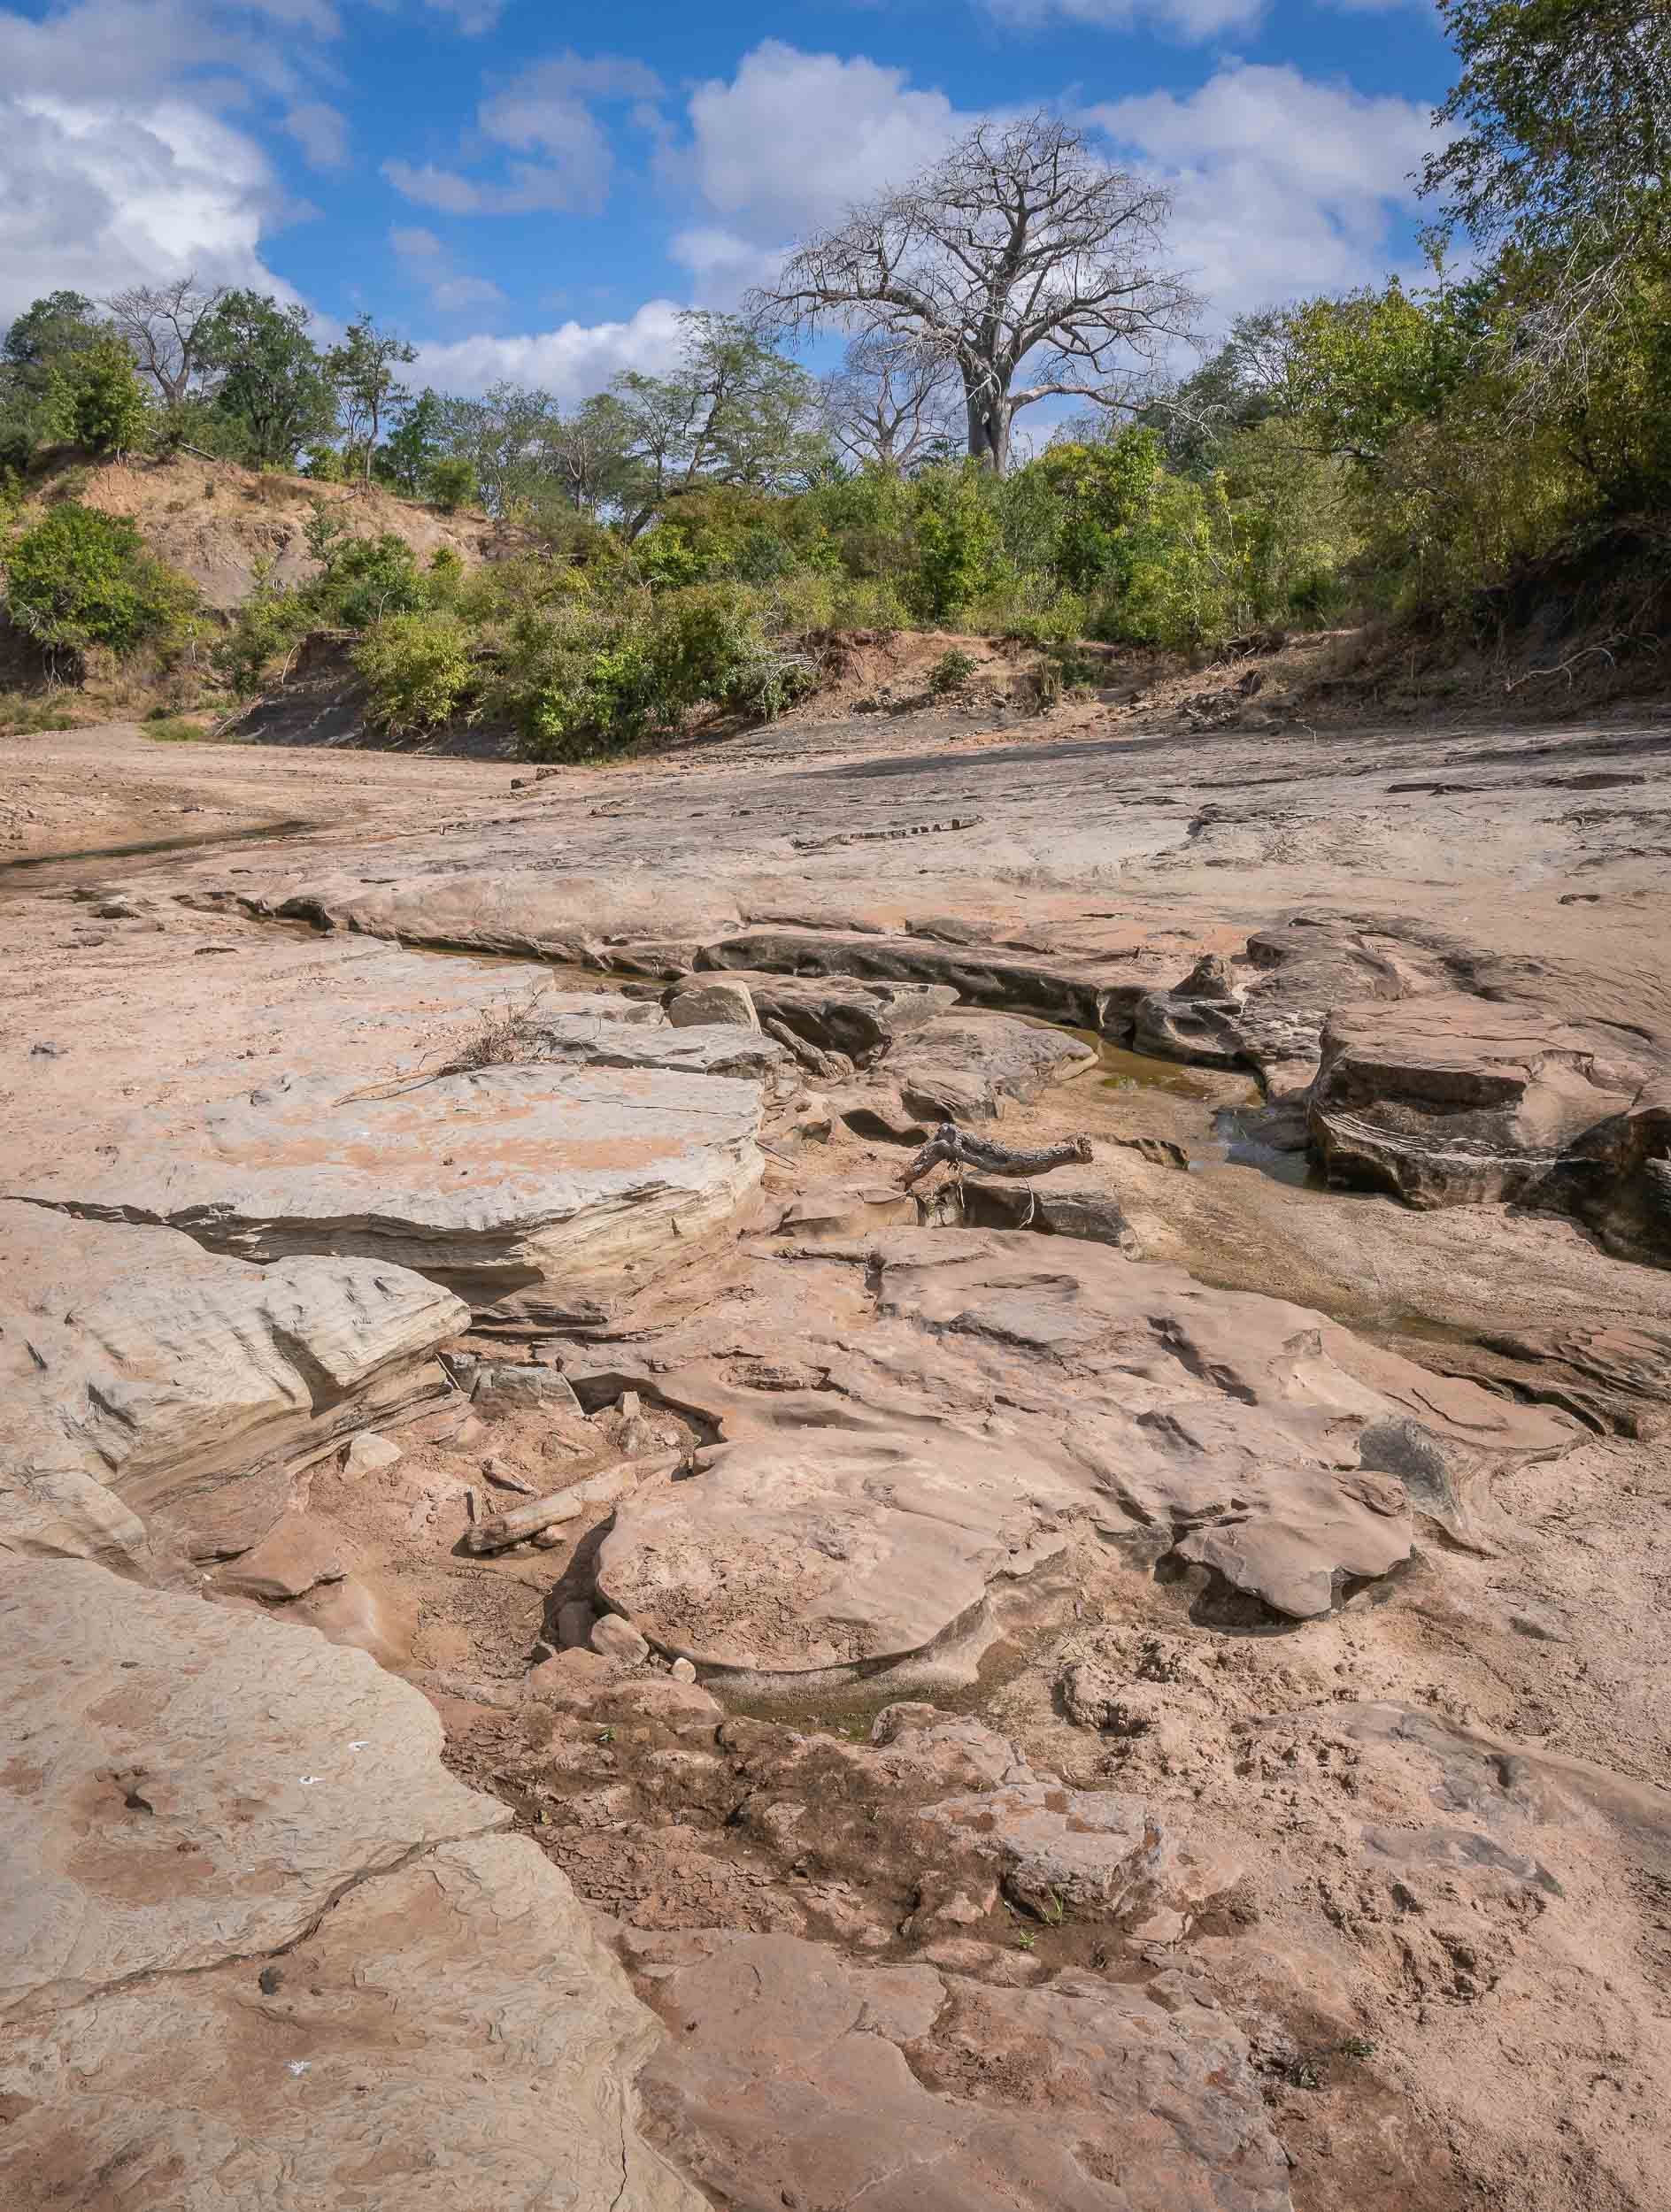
(518,1522)
(499,1530)
(956,1147)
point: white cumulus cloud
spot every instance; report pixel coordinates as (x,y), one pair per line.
(425,261)
(573,361)
(1282,184)
(118,162)
(321,131)
(1188,21)
(795,138)
(546,112)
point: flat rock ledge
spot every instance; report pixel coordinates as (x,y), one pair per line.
(1448,1100)
(159,1397)
(530,1191)
(259,1948)
(823,1553)
(793,2076)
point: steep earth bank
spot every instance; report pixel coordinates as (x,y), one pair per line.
(1132,1683)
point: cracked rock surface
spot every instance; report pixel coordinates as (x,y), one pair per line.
(1172,1719)
(256,1945)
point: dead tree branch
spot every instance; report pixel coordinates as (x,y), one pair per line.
(953,1147)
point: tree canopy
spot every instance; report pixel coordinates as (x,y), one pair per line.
(1031,267)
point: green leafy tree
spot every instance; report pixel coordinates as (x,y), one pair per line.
(958,541)
(734,411)
(1560,157)
(411,448)
(94,398)
(363,369)
(1241,384)
(1565,108)
(451,483)
(502,435)
(1360,368)
(43,339)
(273,390)
(1103,496)
(81,578)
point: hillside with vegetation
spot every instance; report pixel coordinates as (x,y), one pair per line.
(1476,466)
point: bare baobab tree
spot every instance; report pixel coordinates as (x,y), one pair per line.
(164,325)
(891,404)
(1017,255)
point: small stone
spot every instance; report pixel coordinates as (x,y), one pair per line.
(368,1453)
(550,1539)
(708,1004)
(1161,1926)
(682,1671)
(505,1477)
(513,1389)
(614,1637)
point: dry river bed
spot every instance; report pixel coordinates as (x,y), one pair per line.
(904,1466)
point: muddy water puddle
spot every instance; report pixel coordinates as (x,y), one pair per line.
(1237,1141)
(1120,1069)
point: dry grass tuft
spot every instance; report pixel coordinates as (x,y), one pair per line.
(501,1036)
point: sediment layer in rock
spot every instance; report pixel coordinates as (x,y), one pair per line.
(155,1389)
(524,1189)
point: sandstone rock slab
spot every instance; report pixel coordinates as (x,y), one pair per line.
(295,1556)
(861,1017)
(980,975)
(1446,1098)
(699,1005)
(790,1556)
(156,1722)
(962,1067)
(1171,1409)
(260,1948)
(794,2076)
(717,1047)
(526,1189)
(150,1384)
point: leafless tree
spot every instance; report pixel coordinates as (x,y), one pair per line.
(1017,254)
(163,323)
(891,404)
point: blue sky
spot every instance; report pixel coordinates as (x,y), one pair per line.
(535,191)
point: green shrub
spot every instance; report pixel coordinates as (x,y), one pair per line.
(574,679)
(1027,609)
(451,483)
(81,578)
(364,580)
(270,622)
(952,671)
(578,676)
(174,729)
(416,669)
(958,540)
(24,717)
(867,604)
(94,398)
